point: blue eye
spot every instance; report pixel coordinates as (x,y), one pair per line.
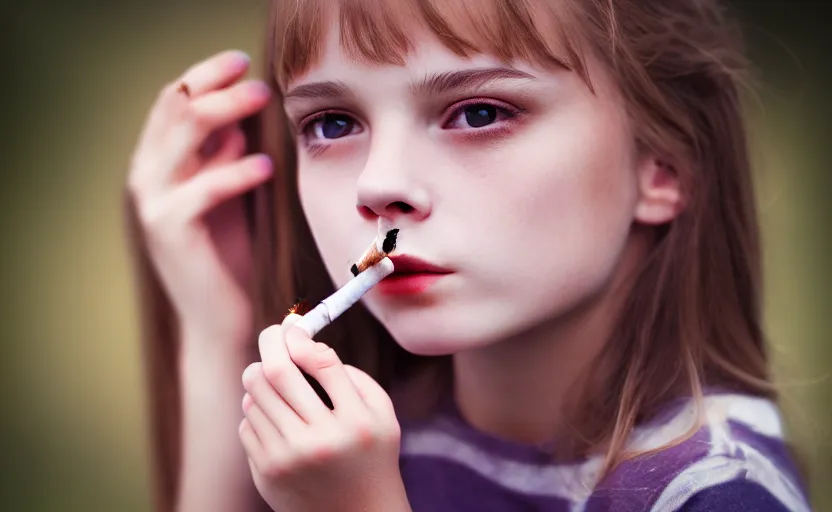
(331,126)
(480,115)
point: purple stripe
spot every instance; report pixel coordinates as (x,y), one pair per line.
(450,421)
(636,484)
(773,449)
(734,496)
(439,485)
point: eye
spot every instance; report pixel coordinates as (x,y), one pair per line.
(330,125)
(477,115)
(480,115)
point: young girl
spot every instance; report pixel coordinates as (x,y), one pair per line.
(574,323)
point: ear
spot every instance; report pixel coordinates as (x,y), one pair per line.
(660,192)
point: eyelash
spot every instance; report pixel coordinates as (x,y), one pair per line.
(509,112)
(505,112)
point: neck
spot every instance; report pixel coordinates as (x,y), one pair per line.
(520,388)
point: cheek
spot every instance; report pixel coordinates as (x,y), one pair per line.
(585,176)
(328,203)
(569,192)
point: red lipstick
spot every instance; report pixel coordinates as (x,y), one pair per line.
(411,276)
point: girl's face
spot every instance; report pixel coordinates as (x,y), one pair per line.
(519,182)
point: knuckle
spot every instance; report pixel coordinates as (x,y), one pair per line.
(275,467)
(277,372)
(321,451)
(374,430)
(160,219)
(208,192)
(364,434)
(324,357)
(392,433)
(196,120)
(152,214)
(381,433)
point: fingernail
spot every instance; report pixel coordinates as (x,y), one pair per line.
(259,90)
(262,164)
(240,59)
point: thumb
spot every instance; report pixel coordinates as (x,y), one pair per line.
(290,320)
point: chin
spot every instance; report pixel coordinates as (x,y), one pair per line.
(440,334)
(456,327)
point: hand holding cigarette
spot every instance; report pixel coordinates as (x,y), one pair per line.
(371,268)
(296,442)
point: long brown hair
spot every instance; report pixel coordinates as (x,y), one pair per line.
(695,307)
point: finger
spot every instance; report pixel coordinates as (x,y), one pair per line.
(323,364)
(251,443)
(225,106)
(209,113)
(371,392)
(208,189)
(263,395)
(267,432)
(247,401)
(261,461)
(285,377)
(214,72)
(224,146)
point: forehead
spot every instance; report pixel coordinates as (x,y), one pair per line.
(427,57)
(336,33)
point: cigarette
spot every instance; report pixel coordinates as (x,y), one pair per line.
(383,245)
(344,298)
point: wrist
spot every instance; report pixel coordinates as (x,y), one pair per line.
(202,337)
(389,498)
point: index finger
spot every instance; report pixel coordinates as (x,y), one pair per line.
(286,378)
(323,364)
(215,72)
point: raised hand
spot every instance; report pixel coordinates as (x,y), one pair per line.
(186,178)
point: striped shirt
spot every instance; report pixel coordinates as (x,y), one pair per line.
(736,461)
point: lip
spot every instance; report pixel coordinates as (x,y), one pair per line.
(411,276)
(406,264)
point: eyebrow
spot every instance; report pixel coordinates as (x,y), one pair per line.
(326,90)
(431,85)
(466,79)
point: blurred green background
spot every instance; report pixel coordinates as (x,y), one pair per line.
(78,80)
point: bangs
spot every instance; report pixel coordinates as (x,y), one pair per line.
(380,32)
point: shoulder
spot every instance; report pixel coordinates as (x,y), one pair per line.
(737,460)
(738,495)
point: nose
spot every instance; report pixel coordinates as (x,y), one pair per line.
(389,185)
